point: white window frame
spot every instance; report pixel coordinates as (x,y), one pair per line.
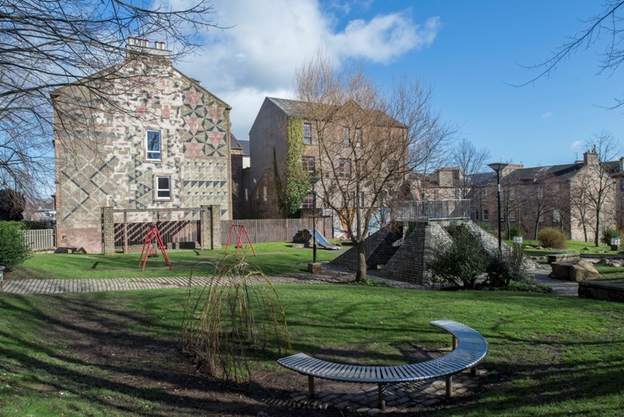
(158,189)
(485,214)
(147,146)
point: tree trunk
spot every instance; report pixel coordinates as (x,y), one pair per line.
(360,274)
(597,234)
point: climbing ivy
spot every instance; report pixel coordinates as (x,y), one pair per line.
(296,181)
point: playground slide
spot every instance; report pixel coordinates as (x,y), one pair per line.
(320,239)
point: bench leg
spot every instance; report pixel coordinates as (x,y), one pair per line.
(381,391)
(449,386)
(455,343)
(310,387)
(473,370)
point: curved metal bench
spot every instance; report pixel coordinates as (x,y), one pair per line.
(469,348)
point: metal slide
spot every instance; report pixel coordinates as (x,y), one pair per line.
(320,239)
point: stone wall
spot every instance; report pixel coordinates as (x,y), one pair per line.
(377,248)
(601,291)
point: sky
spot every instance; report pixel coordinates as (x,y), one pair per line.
(472,53)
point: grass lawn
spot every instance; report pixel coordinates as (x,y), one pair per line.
(108,354)
(273,258)
(571,246)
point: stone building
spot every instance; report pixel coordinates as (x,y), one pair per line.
(340,161)
(138,136)
(559,196)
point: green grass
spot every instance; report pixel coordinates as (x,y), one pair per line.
(548,355)
(571,246)
(273,258)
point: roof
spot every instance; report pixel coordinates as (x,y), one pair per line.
(561,172)
(235,144)
(296,108)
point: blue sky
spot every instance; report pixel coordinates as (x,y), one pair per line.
(468,51)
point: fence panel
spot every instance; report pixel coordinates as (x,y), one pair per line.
(39,239)
(274,230)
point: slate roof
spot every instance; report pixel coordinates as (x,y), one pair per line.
(561,172)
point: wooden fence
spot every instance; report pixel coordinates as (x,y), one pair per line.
(275,230)
(42,239)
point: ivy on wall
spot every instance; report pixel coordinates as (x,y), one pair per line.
(296,185)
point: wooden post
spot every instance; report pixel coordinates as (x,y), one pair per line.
(125,232)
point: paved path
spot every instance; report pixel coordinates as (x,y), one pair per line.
(59,286)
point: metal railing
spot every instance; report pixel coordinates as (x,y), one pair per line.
(433,210)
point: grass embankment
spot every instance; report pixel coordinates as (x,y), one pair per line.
(273,258)
(64,355)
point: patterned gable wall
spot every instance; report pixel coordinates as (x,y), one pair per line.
(101,158)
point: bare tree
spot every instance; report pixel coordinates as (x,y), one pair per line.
(607,26)
(367,141)
(599,183)
(539,196)
(48,44)
(470,161)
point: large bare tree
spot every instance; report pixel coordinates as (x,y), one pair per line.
(48,44)
(367,141)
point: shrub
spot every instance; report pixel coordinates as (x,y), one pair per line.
(552,238)
(608,234)
(514,231)
(13,248)
(508,265)
(486,226)
(461,263)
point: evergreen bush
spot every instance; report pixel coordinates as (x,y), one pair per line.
(13,248)
(608,234)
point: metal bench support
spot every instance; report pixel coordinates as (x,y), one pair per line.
(381,392)
(449,386)
(310,387)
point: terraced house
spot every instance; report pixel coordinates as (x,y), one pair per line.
(138,136)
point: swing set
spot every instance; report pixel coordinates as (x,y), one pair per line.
(239,229)
(150,244)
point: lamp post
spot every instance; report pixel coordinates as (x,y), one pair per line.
(498,167)
(313,181)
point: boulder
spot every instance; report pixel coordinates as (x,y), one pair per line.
(574,271)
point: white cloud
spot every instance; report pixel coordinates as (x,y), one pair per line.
(576,144)
(257,57)
(547,115)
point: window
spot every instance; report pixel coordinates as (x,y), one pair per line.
(512,216)
(307,162)
(540,193)
(485,214)
(153,145)
(622,185)
(484,194)
(457,194)
(512,194)
(163,188)
(345,136)
(308,203)
(344,168)
(307,133)
(361,199)
(476,215)
(556,216)
(358,137)
(436,194)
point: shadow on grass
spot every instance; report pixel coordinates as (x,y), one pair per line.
(109,358)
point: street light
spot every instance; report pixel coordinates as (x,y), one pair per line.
(498,167)
(313,181)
